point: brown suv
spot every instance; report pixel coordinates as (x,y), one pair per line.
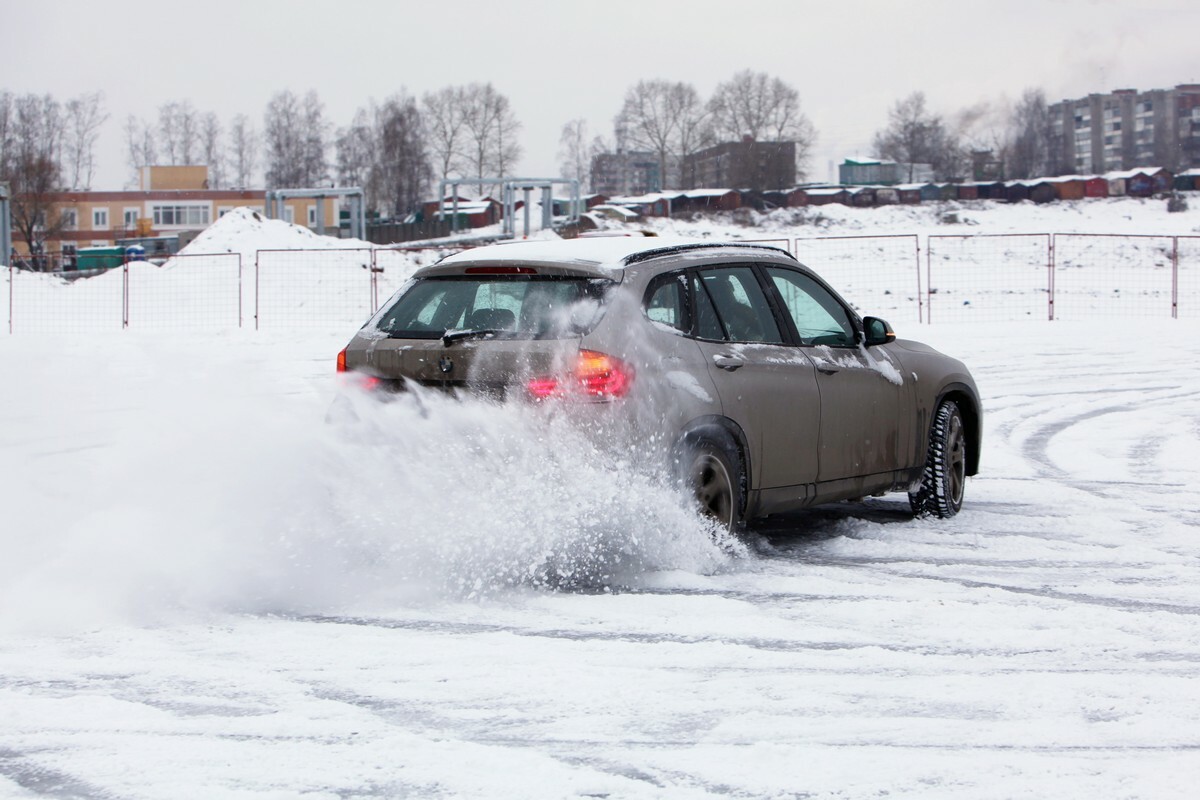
(732,362)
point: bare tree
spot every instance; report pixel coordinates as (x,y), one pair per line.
(32,148)
(210,149)
(490,146)
(242,151)
(141,149)
(7,133)
(83,118)
(354,148)
(693,119)
(316,141)
(763,108)
(756,105)
(915,135)
(445,129)
(1030,146)
(574,155)
(649,120)
(403,167)
(296,136)
(179,132)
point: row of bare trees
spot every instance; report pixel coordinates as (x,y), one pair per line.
(671,120)
(184,135)
(1017,137)
(396,148)
(46,145)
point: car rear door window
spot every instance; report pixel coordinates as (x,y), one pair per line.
(818,316)
(741,305)
(666,301)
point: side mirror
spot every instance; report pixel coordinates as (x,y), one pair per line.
(876,331)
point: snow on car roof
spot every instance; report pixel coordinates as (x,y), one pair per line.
(607,252)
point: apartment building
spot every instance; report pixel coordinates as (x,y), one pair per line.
(1125,129)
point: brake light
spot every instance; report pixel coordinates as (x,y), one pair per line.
(596,377)
(541,388)
(603,376)
(356,379)
(500,271)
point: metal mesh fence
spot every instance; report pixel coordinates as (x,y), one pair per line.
(188,292)
(40,302)
(1187,281)
(990,277)
(1113,275)
(313,288)
(783,244)
(996,278)
(878,275)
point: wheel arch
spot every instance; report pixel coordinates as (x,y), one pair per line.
(730,436)
(716,426)
(972,415)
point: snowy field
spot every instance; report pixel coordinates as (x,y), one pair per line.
(210,589)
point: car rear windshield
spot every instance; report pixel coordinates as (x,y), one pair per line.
(510,306)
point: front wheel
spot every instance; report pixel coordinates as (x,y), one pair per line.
(944,479)
(713,476)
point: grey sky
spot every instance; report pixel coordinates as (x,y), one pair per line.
(557,61)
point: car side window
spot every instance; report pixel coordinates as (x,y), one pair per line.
(666,301)
(818,316)
(741,305)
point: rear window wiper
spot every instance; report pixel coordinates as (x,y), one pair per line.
(449,337)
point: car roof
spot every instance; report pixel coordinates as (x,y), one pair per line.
(598,254)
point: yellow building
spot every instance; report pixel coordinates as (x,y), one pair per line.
(170,201)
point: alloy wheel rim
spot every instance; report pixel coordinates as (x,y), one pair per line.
(713,489)
(956,473)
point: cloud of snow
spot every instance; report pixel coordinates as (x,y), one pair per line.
(237,499)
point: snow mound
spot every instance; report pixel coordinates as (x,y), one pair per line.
(244,230)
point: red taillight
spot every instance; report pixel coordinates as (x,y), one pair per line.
(357,379)
(596,377)
(603,376)
(541,388)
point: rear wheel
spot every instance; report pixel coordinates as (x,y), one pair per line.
(945,475)
(713,476)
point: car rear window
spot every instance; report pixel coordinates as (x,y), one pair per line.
(512,306)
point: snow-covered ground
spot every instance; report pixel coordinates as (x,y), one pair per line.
(210,588)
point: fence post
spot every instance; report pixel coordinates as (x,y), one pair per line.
(917,255)
(375,270)
(239,256)
(125,293)
(1050,256)
(12,276)
(1175,277)
(257,255)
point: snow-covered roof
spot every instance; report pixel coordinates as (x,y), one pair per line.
(911,187)
(622,210)
(698,193)
(1126,174)
(825,192)
(473,207)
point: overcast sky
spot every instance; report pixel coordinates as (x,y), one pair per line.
(561,60)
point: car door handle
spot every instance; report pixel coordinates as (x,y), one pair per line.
(729,362)
(826,367)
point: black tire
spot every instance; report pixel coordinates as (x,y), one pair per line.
(712,476)
(941,491)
